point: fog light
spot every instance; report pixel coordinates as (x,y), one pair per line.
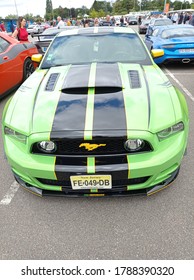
(47,146)
(134,144)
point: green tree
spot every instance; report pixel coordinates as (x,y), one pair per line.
(11,16)
(177,5)
(93,13)
(49,15)
(101,13)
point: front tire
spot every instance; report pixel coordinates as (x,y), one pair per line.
(28,68)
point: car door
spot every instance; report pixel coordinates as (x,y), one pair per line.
(10,65)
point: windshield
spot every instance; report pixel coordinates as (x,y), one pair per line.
(145,22)
(178,32)
(163,22)
(85,49)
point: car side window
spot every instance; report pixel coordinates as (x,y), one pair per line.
(3,45)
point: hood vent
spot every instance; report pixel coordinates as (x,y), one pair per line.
(50,86)
(98,90)
(134,79)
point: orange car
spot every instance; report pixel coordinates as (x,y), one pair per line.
(15,62)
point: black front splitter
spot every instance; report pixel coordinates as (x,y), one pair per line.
(120,191)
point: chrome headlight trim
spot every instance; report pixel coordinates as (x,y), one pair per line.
(165,133)
(17,135)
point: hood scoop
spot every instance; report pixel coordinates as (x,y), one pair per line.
(98,90)
(80,79)
(134,79)
(50,86)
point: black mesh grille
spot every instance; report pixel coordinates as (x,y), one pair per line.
(78,147)
(134,79)
(51,82)
(115,183)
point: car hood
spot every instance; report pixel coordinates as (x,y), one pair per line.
(94,97)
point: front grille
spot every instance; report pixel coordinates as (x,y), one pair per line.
(109,146)
(115,183)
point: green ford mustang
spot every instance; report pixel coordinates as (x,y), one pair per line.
(96,118)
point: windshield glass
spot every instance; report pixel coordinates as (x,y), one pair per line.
(178,32)
(145,22)
(85,49)
(163,22)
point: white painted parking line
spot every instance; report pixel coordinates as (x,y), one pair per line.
(10,194)
(187,92)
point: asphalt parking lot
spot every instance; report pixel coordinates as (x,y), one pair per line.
(158,227)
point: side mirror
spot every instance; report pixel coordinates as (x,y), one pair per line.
(37,58)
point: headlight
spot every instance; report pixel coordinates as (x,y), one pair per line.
(134,144)
(19,136)
(47,146)
(165,133)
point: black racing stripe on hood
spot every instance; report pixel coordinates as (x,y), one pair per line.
(71,108)
(77,77)
(109,108)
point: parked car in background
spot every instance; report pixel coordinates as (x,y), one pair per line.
(97,118)
(132,21)
(118,23)
(177,41)
(105,23)
(35,29)
(45,25)
(143,26)
(15,62)
(44,39)
(155,22)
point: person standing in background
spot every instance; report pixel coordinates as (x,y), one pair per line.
(180,20)
(60,22)
(139,20)
(20,32)
(175,18)
(2,26)
(121,21)
(191,20)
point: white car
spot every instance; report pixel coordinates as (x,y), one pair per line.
(35,29)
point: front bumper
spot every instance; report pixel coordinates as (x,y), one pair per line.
(143,173)
(122,191)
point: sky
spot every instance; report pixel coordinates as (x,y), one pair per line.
(37,7)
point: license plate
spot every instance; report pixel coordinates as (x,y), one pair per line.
(85,182)
(186,50)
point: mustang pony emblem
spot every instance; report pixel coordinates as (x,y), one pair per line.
(91,147)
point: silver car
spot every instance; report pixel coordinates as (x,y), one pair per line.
(35,29)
